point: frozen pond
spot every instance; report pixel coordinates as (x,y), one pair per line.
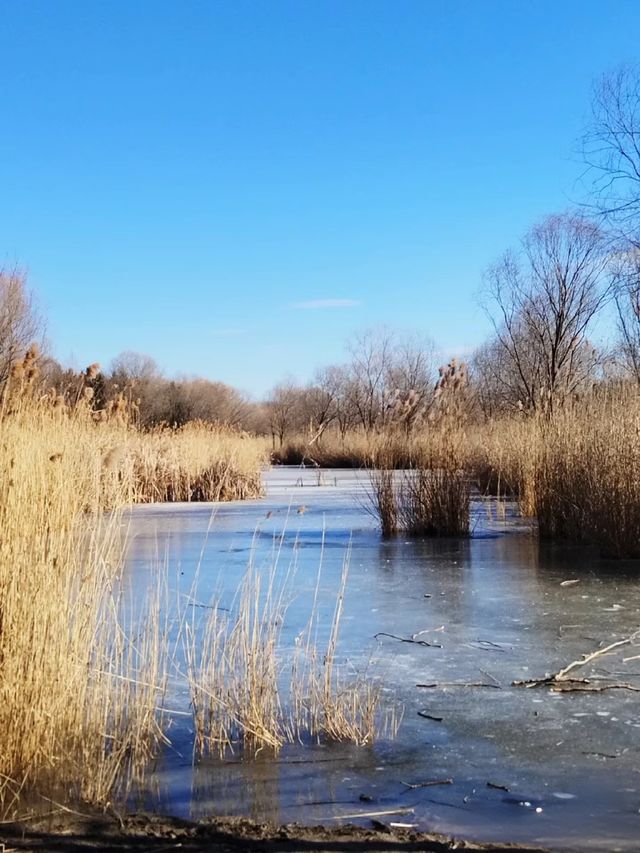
(561,770)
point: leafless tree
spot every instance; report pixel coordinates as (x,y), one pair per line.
(384,369)
(139,379)
(495,385)
(133,366)
(542,301)
(20,324)
(283,407)
(627,296)
(216,402)
(611,149)
(322,400)
(371,361)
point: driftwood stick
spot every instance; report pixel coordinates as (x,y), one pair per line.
(412,786)
(407,640)
(587,658)
(563,681)
(373,814)
(461,684)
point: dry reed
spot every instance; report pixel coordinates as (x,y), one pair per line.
(81,677)
(248,692)
(429,496)
(78,692)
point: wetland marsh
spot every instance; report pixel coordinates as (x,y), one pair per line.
(511,763)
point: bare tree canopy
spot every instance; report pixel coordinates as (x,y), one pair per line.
(611,147)
(386,367)
(627,297)
(542,300)
(19,321)
(133,366)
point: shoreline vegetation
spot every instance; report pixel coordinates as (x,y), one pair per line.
(83,679)
(83,669)
(573,470)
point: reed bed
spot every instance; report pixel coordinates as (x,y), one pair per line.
(78,691)
(588,475)
(197,462)
(82,670)
(81,674)
(577,472)
(502,457)
(429,495)
(354,449)
(249,693)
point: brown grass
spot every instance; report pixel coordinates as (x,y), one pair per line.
(576,472)
(77,691)
(248,693)
(427,496)
(82,675)
(197,462)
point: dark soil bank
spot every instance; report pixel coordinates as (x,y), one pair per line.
(155,834)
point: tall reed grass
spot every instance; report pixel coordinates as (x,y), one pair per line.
(82,673)
(248,692)
(576,472)
(429,496)
(588,475)
(78,691)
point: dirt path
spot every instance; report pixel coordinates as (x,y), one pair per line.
(152,834)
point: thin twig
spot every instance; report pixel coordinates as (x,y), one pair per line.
(373,814)
(410,786)
(407,640)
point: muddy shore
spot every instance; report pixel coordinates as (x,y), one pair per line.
(156,834)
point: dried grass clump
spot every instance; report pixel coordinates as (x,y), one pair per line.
(233,672)
(245,694)
(197,462)
(502,458)
(430,496)
(588,474)
(576,470)
(328,703)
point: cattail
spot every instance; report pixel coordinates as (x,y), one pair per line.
(32,353)
(17,371)
(92,371)
(112,459)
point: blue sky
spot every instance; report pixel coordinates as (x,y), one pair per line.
(236,187)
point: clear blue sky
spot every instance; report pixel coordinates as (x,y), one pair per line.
(193,180)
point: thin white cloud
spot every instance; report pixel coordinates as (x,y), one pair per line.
(227,333)
(318,304)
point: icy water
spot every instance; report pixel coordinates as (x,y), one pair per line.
(561,770)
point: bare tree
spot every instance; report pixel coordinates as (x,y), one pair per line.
(132,366)
(322,400)
(216,402)
(627,298)
(138,378)
(20,324)
(611,148)
(283,407)
(542,301)
(371,361)
(495,385)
